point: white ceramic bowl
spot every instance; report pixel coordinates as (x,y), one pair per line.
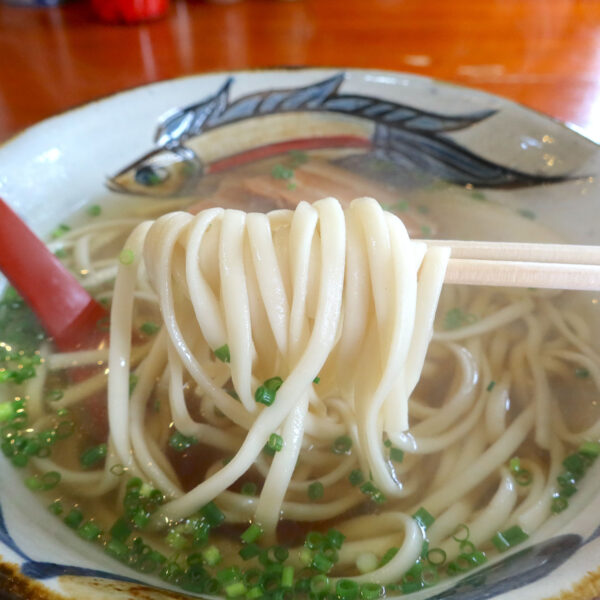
(54,168)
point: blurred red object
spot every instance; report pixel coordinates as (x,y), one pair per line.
(129,11)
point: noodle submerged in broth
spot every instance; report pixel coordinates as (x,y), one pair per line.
(273,418)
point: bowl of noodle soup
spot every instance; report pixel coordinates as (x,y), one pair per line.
(286,400)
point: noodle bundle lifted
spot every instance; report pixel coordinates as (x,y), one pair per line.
(274,416)
(324,318)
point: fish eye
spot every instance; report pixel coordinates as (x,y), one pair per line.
(149,175)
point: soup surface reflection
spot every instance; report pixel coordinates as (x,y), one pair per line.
(504,421)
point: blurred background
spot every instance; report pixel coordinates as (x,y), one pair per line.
(545,54)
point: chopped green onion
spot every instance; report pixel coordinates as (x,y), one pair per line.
(141,518)
(74,518)
(180,442)
(171,572)
(390,553)
(279,553)
(134,484)
(60,253)
(60,231)
(582,372)
(287,577)
(317,380)
(461,533)
(34,484)
(249,489)
(342,445)
(95,210)
(575,464)
(211,556)
(316,490)
(249,551)
(514,464)
(50,480)
(436,556)
(229,575)
(254,592)
(89,531)
(335,538)
(176,540)
(523,477)
(236,589)
(118,469)
(411,581)
(319,585)
(117,549)
(559,503)
(252,533)
(222,353)
(396,455)
(356,477)
(275,442)
(282,172)
(56,507)
(7,411)
(321,563)
(370,489)
(371,591)
(478,557)
(346,589)
(133,381)
(19,460)
(590,449)
(126,257)
(93,455)
(120,530)
(490,386)
(566,481)
(456,318)
(268,450)
(314,540)
(423,518)
(265,394)
(503,540)
(305,556)
(213,514)
(149,328)
(64,430)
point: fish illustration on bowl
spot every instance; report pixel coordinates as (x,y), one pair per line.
(359,134)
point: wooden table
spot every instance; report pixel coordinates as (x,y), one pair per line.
(543,53)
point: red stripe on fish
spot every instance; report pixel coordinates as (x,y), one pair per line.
(300,144)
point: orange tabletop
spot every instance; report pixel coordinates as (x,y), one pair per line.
(545,54)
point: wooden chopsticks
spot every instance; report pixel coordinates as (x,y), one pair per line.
(510,264)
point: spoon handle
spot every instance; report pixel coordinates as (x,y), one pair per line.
(65,309)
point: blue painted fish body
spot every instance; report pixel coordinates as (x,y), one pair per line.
(195,137)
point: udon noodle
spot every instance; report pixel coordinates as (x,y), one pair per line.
(288,390)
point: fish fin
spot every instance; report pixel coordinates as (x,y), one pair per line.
(442,157)
(185,122)
(424,121)
(400,115)
(311,97)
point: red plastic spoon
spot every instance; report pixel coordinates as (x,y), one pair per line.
(65,309)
